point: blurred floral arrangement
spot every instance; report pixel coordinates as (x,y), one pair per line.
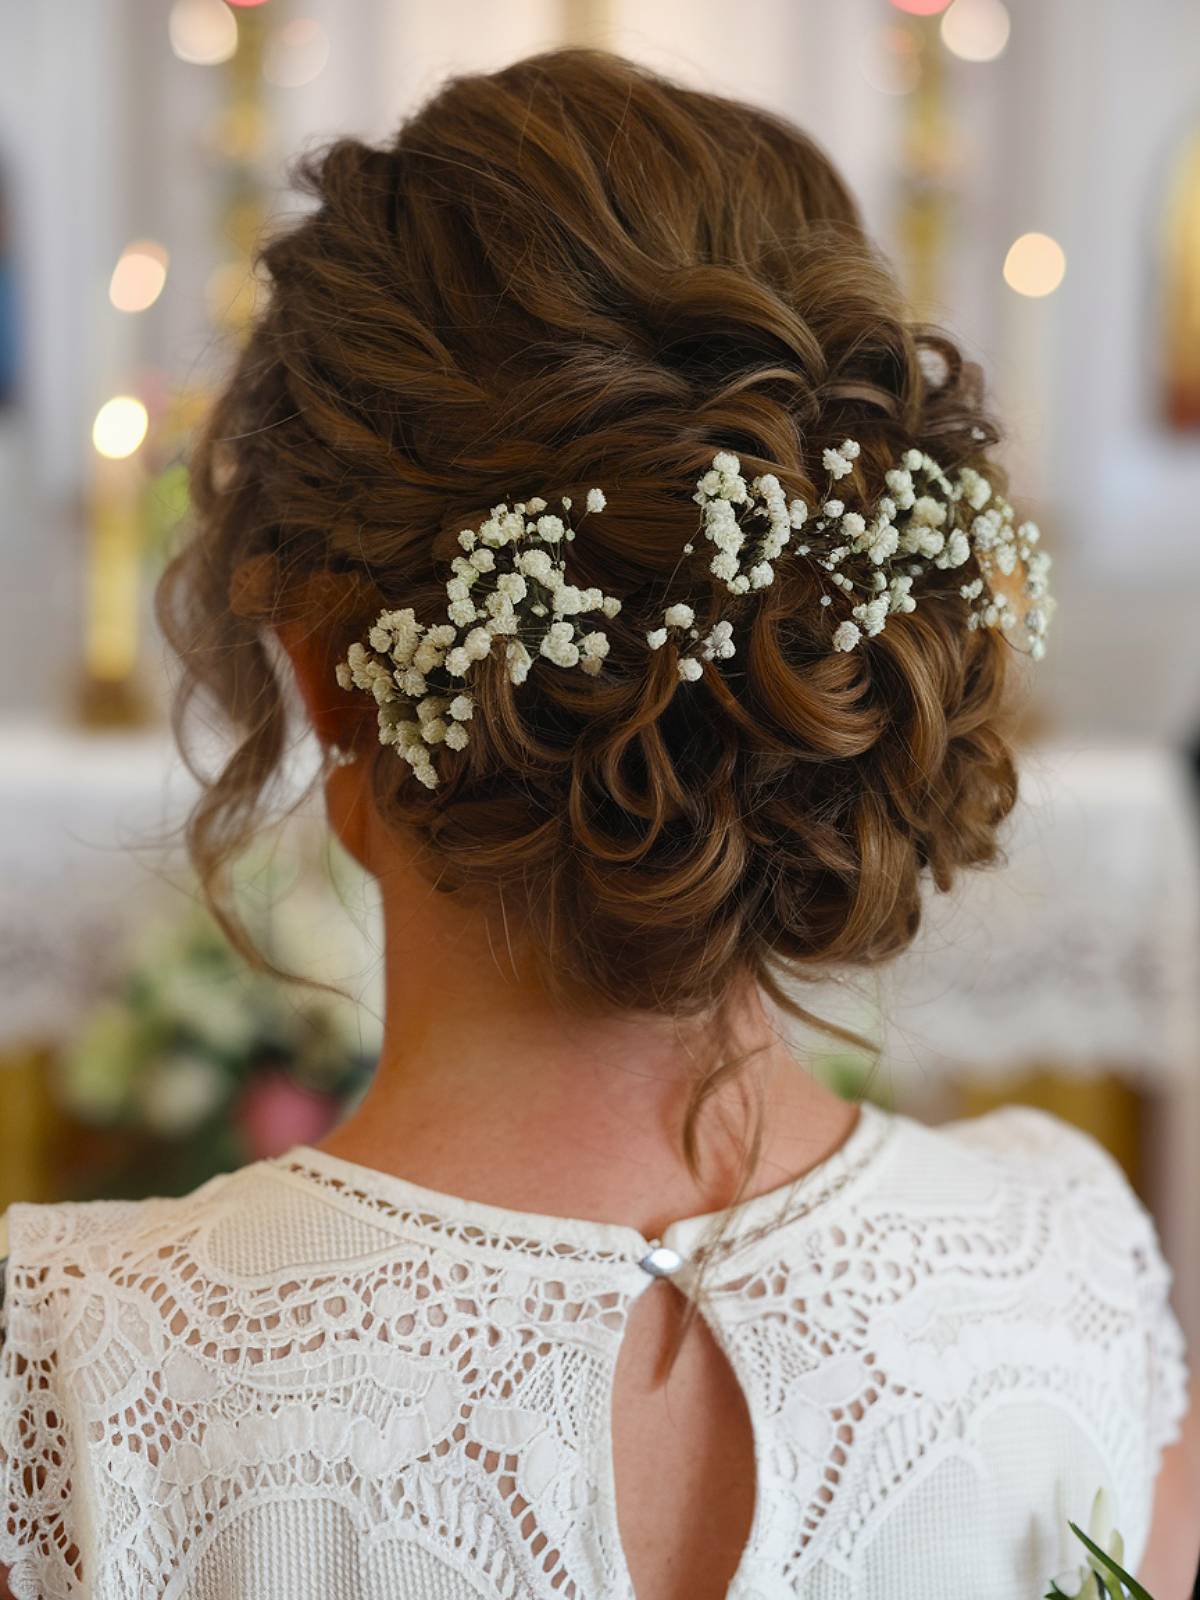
(197,1063)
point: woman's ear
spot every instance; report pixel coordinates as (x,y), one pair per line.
(340,718)
(335,713)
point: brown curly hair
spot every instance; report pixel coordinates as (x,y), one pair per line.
(572,272)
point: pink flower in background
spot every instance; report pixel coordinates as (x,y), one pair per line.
(276,1113)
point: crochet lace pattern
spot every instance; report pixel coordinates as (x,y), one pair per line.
(309,1379)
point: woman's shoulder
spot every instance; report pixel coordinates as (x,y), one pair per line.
(1022,1193)
(243,1227)
(1035,1142)
(84,1232)
(51,1252)
(1024,1197)
(1014,1146)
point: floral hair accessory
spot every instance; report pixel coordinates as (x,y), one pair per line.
(876,552)
(510,584)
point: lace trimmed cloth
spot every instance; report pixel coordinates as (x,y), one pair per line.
(312,1380)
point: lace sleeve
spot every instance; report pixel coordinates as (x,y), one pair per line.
(1168,1387)
(1167,1375)
(1084,1169)
(37,1542)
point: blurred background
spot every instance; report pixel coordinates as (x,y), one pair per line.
(1034,171)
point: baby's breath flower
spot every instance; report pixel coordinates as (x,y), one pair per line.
(536,564)
(872,615)
(718,642)
(511,583)
(593,648)
(519,662)
(558,644)
(478,643)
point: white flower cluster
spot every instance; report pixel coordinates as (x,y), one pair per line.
(877,554)
(509,584)
(745,563)
(742,561)
(717,643)
(915,529)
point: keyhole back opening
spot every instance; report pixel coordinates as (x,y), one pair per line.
(683,1453)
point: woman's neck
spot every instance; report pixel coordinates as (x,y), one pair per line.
(488,1089)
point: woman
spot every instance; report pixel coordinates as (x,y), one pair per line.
(639,565)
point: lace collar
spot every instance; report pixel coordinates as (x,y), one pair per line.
(498,1232)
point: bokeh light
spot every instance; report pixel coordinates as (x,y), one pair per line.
(296,53)
(921,8)
(976,30)
(139,276)
(202,32)
(1035,265)
(891,61)
(120,427)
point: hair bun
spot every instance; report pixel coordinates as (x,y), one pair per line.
(575,272)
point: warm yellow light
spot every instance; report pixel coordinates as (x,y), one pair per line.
(976,30)
(120,427)
(1034,265)
(139,275)
(203,32)
(296,53)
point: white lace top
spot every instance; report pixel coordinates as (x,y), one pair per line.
(308,1380)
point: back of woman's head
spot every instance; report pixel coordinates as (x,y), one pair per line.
(568,273)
